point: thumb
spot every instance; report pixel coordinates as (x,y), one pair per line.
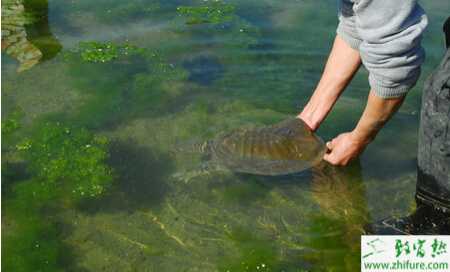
(330,145)
(327,156)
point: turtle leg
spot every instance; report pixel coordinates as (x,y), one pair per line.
(207,169)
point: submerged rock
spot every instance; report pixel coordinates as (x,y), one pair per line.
(14,37)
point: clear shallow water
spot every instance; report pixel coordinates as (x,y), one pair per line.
(189,82)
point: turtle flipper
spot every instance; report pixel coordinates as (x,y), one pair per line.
(207,169)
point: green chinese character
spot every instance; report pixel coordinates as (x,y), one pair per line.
(401,247)
(439,247)
(418,247)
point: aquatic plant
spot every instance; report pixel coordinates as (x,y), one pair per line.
(111,78)
(62,166)
(133,83)
(93,51)
(68,160)
(162,70)
(155,89)
(32,240)
(9,126)
(218,22)
(255,254)
(29,241)
(216,13)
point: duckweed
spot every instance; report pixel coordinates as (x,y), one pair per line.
(216,13)
(64,165)
(218,21)
(93,51)
(68,160)
(142,82)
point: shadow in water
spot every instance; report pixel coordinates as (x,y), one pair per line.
(141,179)
(204,69)
(13,172)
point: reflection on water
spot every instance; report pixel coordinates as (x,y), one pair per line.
(14,36)
(256,64)
(25,32)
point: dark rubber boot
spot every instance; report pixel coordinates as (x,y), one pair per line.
(432,215)
(426,220)
(433,179)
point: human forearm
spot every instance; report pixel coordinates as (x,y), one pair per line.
(348,146)
(342,64)
(377,112)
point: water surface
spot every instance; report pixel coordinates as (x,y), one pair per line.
(112,119)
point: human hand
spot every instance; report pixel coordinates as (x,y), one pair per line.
(344,148)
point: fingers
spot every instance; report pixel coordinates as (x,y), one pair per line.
(332,159)
(331,156)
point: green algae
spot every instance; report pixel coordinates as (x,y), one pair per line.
(12,123)
(31,243)
(102,85)
(255,254)
(67,160)
(32,236)
(63,166)
(92,51)
(217,21)
(213,223)
(157,88)
(217,12)
(129,82)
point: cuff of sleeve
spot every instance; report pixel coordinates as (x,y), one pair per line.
(388,92)
(351,41)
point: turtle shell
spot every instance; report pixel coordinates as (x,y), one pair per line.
(284,148)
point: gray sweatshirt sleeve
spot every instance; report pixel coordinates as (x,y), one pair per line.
(387,34)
